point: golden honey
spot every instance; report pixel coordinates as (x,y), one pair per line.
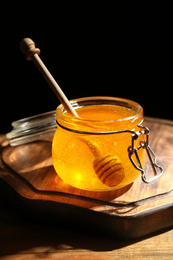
(91,152)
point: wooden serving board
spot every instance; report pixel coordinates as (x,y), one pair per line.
(29,182)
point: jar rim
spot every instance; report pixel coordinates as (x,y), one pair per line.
(66,120)
(79,102)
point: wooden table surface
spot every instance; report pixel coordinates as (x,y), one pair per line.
(21,238)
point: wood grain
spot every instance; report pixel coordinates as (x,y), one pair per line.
(27,178)
(90,248)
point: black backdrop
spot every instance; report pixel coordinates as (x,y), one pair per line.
(90,49)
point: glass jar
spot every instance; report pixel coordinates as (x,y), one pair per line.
(94,152)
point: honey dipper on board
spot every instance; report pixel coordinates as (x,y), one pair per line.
(108,168)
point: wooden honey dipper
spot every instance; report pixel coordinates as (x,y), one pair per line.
(108,168)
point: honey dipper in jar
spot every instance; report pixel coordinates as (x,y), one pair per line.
(90,167)
(108,168)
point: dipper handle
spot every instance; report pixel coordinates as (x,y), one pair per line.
(27,46)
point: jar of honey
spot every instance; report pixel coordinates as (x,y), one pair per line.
(102,149)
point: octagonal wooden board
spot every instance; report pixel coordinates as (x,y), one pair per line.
(28,181)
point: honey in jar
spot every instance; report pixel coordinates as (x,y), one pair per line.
(91,152)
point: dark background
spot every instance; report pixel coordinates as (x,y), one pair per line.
(90,49)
